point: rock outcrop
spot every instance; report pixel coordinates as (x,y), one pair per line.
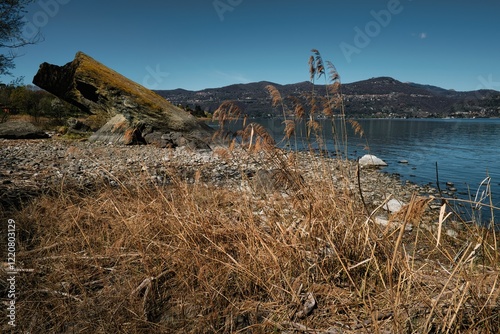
(95,89)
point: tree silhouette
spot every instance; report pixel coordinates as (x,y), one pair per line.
(11,32)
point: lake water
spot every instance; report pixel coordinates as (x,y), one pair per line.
(466,151)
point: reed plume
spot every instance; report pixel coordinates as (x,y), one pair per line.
(227,110)
(312,103)
(276,98)
(358,129)
(312,68)
(289,128)
(275,95)
(254,132)
(318,63)
(327,107)
(332,72)
(298,107)
(313,126)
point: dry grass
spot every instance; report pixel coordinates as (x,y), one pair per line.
(297,255)
(194,258)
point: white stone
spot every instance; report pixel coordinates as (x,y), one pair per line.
(382,221)
(452,233)
(371,160)
(385,222)
(393,206)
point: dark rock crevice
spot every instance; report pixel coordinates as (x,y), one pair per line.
(88,91)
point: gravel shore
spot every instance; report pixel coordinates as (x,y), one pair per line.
(31,167)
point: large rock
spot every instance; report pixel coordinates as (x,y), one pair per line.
(119,130)
(369,160)
(21,130)
(95,88)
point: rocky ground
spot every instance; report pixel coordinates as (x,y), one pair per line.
(31,167)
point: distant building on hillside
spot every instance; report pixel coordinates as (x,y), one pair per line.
(7,109)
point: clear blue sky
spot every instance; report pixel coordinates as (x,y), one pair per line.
(197,44)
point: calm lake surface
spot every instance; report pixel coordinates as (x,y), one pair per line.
(466,151)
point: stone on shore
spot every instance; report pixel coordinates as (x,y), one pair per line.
(369,160)
(393,206)
(95,88)
(76,126)
(116,131)
(385,222)
(21,130)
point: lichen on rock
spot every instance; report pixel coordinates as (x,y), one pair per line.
(95,88)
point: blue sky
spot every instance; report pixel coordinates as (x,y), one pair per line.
(197,44)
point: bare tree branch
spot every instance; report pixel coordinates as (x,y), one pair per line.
(11,32)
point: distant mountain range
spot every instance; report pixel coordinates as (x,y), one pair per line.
(376,97)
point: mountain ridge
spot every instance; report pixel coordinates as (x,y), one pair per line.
(374,97)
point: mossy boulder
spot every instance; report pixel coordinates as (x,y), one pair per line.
(95,88)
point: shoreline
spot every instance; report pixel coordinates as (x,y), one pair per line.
(32,167)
